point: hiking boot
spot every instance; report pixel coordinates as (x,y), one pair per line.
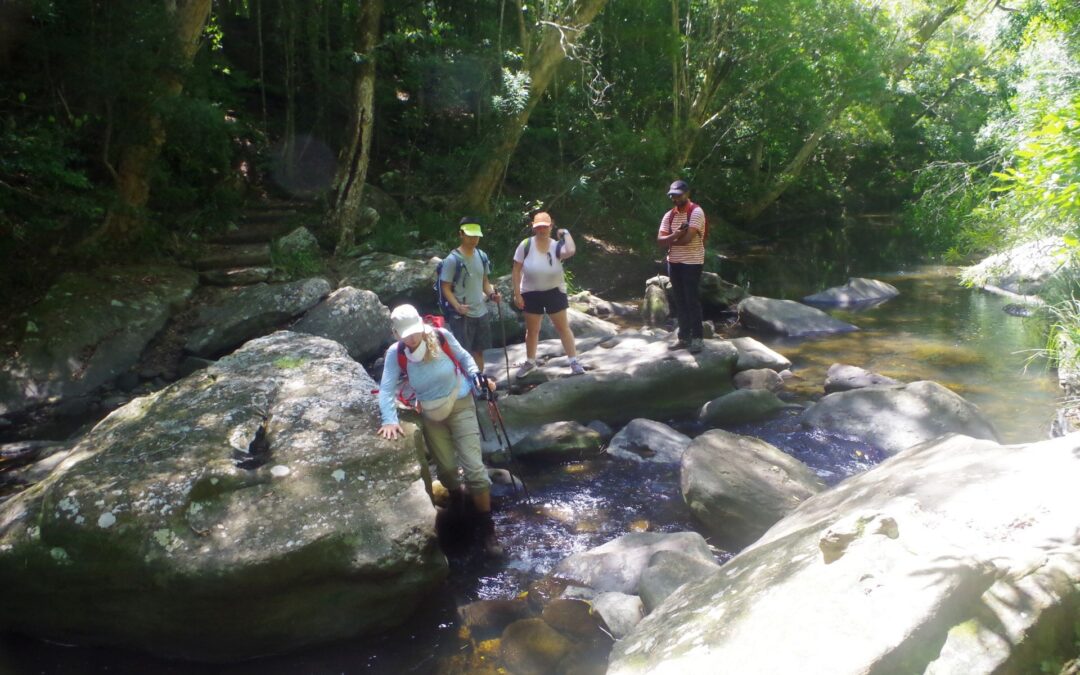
(456,504)
(680,344)
(526,368)
(492,547)
(576,368)
(696,345)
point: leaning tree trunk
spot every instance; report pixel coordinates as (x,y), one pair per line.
(544,60)
(124,221)
(354,164)
(791,172)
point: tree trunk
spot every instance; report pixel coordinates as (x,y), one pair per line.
(124,221)
(791,172)
(549,53)
(352,172)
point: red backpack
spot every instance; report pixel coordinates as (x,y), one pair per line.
(690,212)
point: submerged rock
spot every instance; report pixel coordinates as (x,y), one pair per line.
(857,291)
(842,377)
(956,556)
(247,509)
(645,440)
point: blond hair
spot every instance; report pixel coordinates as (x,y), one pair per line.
(434,349)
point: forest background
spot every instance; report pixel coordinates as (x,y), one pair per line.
(132,129)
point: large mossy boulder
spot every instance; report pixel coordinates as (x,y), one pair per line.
(956,556)
(89,329)
(396,280)
(892,418)
(251,312)
(247,509)
(353,317)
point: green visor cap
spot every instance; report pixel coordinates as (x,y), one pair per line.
(471,230)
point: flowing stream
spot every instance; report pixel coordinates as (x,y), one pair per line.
(933,330)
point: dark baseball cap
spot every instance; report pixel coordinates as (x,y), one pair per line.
(679,187)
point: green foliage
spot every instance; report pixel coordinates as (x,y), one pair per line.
(296,264)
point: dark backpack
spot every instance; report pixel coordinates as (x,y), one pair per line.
(689,213)
(460,271)
(405,393)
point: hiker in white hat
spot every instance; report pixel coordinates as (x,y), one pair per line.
(442,376)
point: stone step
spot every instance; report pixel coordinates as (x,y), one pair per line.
(217,256)
(236,276)
(252,232)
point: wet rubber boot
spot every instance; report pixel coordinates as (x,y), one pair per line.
(490,543)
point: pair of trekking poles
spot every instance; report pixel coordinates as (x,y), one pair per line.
(497,423)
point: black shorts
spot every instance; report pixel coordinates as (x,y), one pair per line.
(474,333)
(539,302)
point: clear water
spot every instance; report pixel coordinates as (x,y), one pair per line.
(934,330)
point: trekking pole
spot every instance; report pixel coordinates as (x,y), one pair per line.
(506,354)
(500,426)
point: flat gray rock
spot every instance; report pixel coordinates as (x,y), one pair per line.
(396,280)
(788,317)
(898,417)
(623,378)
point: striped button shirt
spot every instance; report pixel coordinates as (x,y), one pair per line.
(693,252)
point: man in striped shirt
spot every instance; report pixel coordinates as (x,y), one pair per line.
(682,232)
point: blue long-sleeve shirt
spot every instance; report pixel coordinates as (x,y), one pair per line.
(431,380)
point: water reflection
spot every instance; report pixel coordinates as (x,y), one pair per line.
(937,331)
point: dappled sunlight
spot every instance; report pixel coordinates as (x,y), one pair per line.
(937,331)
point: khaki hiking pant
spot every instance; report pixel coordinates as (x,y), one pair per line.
(456,442)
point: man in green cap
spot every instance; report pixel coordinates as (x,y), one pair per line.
(465,287)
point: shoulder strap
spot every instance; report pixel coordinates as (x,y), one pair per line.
(459,265)
(704,218)
(670,216)
(485,261)
(445,344)
(527,241)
